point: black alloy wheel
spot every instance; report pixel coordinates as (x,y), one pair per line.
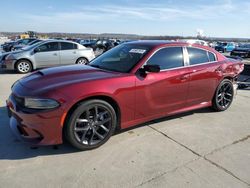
(91,124)
(223,96)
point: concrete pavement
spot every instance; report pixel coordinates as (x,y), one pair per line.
(195,149)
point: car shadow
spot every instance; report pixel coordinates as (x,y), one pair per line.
(13,149)
(167,118)
(3,71)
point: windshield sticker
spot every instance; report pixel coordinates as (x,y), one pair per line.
(138,51)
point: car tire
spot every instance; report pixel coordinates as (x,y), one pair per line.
(82,61)
(90,125)
(23,66)
(223,96)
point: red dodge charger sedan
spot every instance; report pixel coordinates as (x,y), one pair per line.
(132,83)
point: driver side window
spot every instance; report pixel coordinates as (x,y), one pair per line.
(48,47)
(167,58)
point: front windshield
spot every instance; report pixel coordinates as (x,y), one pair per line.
(121,58)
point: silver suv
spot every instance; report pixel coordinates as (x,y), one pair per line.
(47,54)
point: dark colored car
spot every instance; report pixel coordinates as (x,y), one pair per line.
(21,46)
(130,84)
(9,46)
(88,43)
(242,51)
(103,45)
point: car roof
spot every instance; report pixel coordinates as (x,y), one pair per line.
(58,40)
(156,43)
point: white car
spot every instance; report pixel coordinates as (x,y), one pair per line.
(47,54)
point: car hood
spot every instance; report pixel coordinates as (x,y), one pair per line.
(7,53)
(19,45)
(53,78)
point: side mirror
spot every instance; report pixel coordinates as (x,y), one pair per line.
(36,50)
(151,68)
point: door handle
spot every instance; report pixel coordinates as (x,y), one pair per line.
(74,52)
(55,54)
(184,77)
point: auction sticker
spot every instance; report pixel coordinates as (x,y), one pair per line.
(138,51)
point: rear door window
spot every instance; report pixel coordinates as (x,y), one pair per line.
(68,46)
(197,56)
(211,56)
(167,58)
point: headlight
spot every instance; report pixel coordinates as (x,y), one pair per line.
(35,103)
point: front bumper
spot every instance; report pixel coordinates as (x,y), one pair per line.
(43,128)
(3,66)
(8,64)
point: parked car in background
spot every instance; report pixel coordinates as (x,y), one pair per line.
(242,51)
(46,54)
(89,43)
(103,45)
(196,41)
(10,46)
(130,84)
(21,46)
(17,49)
(6,47)
(225,46)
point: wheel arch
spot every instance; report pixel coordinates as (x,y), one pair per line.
(105,98)
(32,65)
(80,58)
(231,78)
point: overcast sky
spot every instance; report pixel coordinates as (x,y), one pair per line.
(220,18)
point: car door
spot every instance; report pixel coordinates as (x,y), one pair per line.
(47,54)
(68,53)
(203,76)
(166,91)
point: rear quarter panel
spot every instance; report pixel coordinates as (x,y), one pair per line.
(87,53)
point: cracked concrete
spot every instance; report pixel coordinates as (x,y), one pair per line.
(195,149)
(205,158)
